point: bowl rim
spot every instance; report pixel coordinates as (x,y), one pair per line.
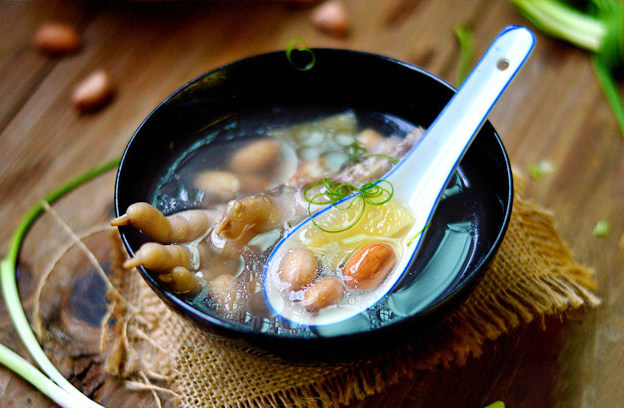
(234,330)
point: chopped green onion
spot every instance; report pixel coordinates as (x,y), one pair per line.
(357,153)
(332,192)
(466,53)
(73,397)
(540,169)
(411,241)
(497,404)
(601,229)
(303,48)
(385,156)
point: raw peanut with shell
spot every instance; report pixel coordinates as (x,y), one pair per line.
(369,265)
(331,17)
(57,38)
(93,92)
(298,268)
(256,157)
(322,293)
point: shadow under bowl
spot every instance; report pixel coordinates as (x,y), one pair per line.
(464,236)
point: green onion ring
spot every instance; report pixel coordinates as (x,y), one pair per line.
(303,48)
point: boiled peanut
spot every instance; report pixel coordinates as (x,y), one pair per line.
(331,17)
(180,280)
(222,184)
(224,292)
(93,92)
(57,38)
(368,138)
(322,293)
(298,268)
(369,265)
(253,183)
(256,157)
(308,172)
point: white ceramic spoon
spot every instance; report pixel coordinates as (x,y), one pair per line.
(420,178)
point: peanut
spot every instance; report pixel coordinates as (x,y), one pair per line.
(256,157)
(224,293)
(322,293)
(93,92)
(308,172)
(221,184)
(369,265)
(253,183)
(331,17)
(368,138)
(298,268)
(57,38)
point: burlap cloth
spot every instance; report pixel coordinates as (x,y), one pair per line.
(532,275)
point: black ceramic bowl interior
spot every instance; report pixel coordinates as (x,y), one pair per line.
(466,232)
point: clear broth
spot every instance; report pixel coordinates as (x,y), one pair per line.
(448,246)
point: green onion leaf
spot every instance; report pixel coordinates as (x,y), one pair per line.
(466,53)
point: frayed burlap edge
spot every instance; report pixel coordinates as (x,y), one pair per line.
(533,275)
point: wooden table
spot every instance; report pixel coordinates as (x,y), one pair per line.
(553,111)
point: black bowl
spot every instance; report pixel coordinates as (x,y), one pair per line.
(467,229)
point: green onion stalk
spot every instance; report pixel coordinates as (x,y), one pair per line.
(466,53)
(54,385)
(600,30)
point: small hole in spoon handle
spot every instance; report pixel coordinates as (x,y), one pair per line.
(502,64)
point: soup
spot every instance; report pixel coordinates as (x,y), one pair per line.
(241,187)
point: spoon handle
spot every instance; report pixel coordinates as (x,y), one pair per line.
(427,168)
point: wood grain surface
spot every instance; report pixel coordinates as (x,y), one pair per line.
(553,111)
